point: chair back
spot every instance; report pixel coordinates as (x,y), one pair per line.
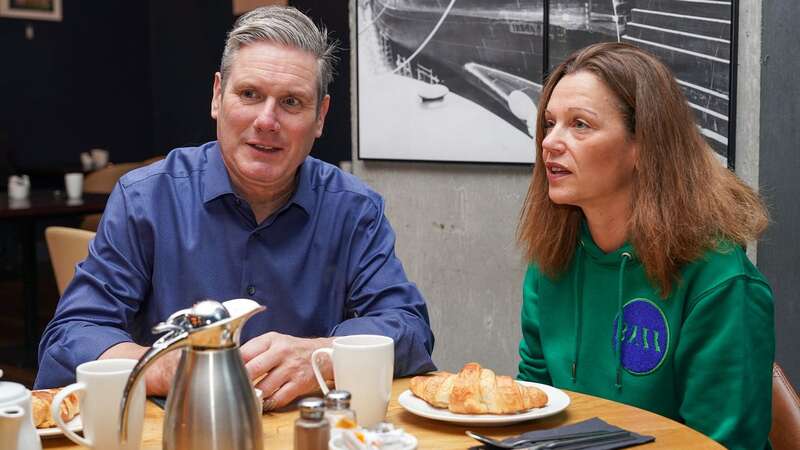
(67,247)
(153,159)
(102,181)
(785,432)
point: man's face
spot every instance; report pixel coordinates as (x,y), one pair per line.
(267,116)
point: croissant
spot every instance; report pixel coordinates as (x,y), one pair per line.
(476,390)
(40,407)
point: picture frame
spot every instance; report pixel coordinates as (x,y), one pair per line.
(32,9)
(440,80)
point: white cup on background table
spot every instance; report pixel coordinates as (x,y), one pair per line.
(74,184)
(99,157)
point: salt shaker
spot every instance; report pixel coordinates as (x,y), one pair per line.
(311,429)
(338,412)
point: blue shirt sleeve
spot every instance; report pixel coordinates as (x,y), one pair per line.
(99,306)
(381,300)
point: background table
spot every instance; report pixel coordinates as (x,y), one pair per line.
(434,435)
(25,213)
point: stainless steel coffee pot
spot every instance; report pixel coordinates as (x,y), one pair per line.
(211,404)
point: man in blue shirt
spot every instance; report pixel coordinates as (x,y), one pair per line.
(250,215)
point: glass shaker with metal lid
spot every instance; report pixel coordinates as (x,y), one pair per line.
(311,430)
(338,412)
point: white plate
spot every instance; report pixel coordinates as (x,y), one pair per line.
(73,425)
(557,401)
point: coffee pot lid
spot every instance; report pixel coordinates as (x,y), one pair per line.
(208,323)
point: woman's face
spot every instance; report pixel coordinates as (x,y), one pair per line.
(588,153)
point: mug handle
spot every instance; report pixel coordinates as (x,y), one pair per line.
(317,373)
(55,411)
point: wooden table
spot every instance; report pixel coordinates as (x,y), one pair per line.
(434,435)
(25,213)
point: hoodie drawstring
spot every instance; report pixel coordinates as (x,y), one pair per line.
(577,281)
(621,314)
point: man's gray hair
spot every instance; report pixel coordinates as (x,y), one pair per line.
(285,26)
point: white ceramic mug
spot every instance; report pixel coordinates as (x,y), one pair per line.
(74,184)
(363,364)
(99,157)
(19,186)
(101,383)
(86,161)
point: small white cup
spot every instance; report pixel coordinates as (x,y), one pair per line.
(102,383)
(99,157)
(363,364)
(74,184)
(19,186)
(86,161)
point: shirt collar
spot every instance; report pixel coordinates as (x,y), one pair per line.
(217,182)
(304,194)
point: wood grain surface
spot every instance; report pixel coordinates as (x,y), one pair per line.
(434,435)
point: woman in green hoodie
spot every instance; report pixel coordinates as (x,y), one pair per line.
(639,289)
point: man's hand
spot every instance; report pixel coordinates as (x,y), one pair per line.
(158,377)
(284,362)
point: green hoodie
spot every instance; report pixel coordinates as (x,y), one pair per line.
(702,356)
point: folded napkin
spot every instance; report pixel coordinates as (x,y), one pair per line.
(594,424)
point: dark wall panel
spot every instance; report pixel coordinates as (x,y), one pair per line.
(779,161)
(79,83)
(186,42)
(336,141)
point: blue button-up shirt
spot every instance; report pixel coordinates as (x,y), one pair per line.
(175,232)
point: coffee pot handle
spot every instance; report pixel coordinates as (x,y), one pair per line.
(177,339)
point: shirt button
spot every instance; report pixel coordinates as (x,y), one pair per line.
(251,290)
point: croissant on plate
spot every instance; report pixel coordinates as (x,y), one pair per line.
(476,390)
(40,407)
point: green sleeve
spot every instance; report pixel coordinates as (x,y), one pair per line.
(724,363)
(532,366)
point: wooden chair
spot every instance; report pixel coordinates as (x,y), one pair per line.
(67,247)
(153,159)
(785,432)
(102,181)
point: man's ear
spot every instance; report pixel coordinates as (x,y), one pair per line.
(323,111)
(216,95)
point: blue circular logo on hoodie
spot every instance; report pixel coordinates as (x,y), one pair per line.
(644,338)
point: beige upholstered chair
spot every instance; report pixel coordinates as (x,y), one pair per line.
(785,432)
(67,247)
(102,181)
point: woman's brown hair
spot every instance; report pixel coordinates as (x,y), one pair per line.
(684,200)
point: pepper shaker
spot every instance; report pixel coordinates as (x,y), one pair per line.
(311,429)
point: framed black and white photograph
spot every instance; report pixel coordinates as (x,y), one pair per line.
(447,80)
(31,9)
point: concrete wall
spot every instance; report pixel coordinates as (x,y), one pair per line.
(455,229)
